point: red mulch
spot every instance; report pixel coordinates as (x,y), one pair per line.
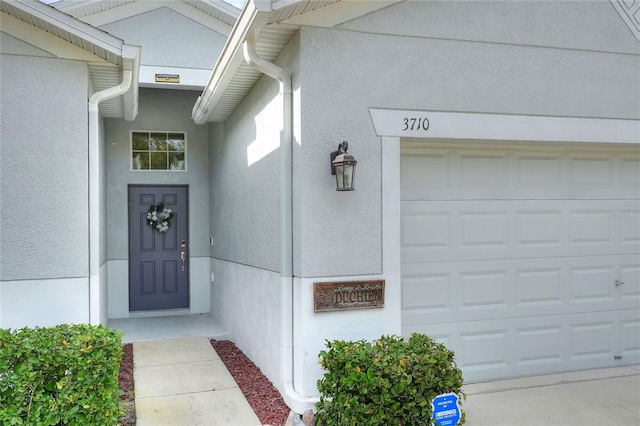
(125,380)
(263,397)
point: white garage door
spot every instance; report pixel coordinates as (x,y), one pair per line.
(523,259)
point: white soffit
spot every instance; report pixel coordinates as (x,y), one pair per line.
(216,15)
(106,55)
(65,27)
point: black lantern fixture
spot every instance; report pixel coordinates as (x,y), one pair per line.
(343,165)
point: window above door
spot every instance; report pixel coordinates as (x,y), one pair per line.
(158,151)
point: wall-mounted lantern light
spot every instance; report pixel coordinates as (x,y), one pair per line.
(343,165)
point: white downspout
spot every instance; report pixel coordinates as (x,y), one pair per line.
(293,399)
(94,192)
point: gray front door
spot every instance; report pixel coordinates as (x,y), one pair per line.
(158,261)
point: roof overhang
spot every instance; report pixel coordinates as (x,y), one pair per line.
(106,56)
(271,23)
(214,14)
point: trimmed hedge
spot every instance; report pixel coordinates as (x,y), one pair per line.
(389,382)
(63,375)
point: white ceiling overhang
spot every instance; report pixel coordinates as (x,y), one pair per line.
(271,23)
(106,56)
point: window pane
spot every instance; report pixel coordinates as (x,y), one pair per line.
(140,160)
(158,142)
(176,142)
(140,141)
(177,160)
(158,151)
(159,161)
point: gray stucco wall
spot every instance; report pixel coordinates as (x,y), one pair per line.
(159,110)
(421,58)
(245,176)
(169,39)
(43,168)
(549,58)
(581,25)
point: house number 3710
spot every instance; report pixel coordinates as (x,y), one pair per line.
(413,123)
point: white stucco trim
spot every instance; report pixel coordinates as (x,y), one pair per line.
(118,288)
(199,285)
(44,303)
(117,276)
(481,126)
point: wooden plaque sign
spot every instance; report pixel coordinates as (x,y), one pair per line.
(348,295)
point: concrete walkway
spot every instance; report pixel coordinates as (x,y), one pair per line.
(183,382)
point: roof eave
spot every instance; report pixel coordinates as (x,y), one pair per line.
(270,23)
(250,22)
(69,24)
(122,55)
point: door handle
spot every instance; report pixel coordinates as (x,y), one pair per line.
(183,256)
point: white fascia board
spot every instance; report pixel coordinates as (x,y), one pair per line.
(140,7)
(503,127)
(45,41)
(69,24)
(337,13)
(250,22)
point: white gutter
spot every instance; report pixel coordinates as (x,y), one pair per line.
(94,191)
(291,397)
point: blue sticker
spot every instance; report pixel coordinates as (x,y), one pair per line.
(446,409)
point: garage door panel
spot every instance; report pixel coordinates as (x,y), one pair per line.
(476,230)
(592,339)
(511,253)
(630,338)
(541,344)
(526,346)
(441,173)
(476,290)
(630,276)
(629,225)
(630,174)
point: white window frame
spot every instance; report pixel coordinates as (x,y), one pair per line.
(131,165)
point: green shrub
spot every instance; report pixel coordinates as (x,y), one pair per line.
(389,382)
(63,375)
